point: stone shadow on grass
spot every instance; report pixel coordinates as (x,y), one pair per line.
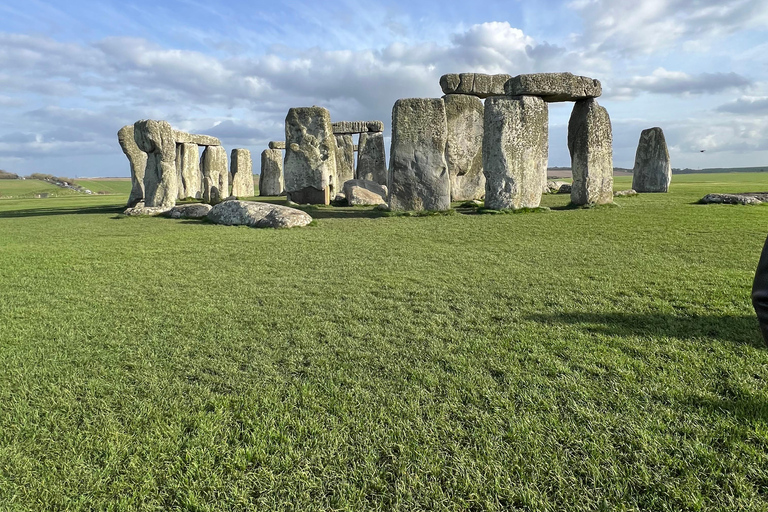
(742,329)
(62,210)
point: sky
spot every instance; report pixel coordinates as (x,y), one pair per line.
(73,73)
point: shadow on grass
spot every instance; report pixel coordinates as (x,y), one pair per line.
(62,210)
(736,329)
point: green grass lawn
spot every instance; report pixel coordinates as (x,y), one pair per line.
(106,186)
(575,359)
(31,188)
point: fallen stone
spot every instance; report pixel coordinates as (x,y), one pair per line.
(345,160)
(271,177)
(156,139)
(192,138)
(418,174)
(137,160)
(464,146)
(371,159)
(515,151)
(625,193)
(189,211)
(350,127)
(310,156)
(558,187)
(653,170)
(553,87)
(188,169)
(474,84)
(749,198)
(241,169)
(257,215)
(590,142)
(275,144)
(142,209)
(215,174)
(364,192)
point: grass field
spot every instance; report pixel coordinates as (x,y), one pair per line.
(576,359)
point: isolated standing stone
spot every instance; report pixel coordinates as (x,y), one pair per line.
(554,87)
(464,146)
(242,173)
(271,177)
(515,151)
(138,161)
(418,174)
(156,139)
(345,160)
(215,174)
(188,168)
(310,156)
(371,159)
(590,142)
(653,170)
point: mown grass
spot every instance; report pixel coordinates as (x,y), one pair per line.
(107,186)
(578,359)
(30,188)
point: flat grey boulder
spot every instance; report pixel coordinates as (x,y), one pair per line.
(364,192)
(257,215)
(149,211)
(277,144)
(625,193)
(554,87)
(474,84)
(189,211)
(193,138)
(653,169)
(747,198)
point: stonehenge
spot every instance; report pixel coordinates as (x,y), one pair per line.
(653,170)
(188,170)
(345,160)
(277,144)
(310,156)
(371,159)
(474,84)
(215,174)
(552,87)
(464,146)
(590,142)
(157,139)
(271,177)
(241,172)
(138,161)
(350,127)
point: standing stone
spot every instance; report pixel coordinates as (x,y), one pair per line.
(590,142)
(215,174)
(515,151)
(371,159)
(138,161)
(242,173)
(345,160)
(418,174)
(271,177)
(653,170)
(310,156)
(156,138)
(188,168)
(464,149)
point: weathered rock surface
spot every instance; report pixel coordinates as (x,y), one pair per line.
(590,142)
(554,87)
(142,209)
(193,138)
(188,169)
(189,211)
(474,84)
(371,159)
(464,146)
(746,198)
(277,144)
(345,160)
(625,193)
(271,177)
(351,127)
(310,156)
(156,139)
(515,151)
(364,192)
(242,173)
(257,215)
(557,187)
(215,174)
(418,174)
(137,160)
(653,170)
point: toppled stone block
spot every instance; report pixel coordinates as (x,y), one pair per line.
(257,215)
(653,169)
(748,198)
(277,144)
(625,193)
(350,127)
(474,84)
(464,146)
(310,156)
(192,138)
(364,192)
(189,211)
(241,169)
(271,176)
(156,139)
(554,87)
(137,160)
(371,158)
(590,142)
(557,187)
(142,209)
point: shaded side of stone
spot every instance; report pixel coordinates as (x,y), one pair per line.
(464,146)
(553,87)
(242,173)
(371,158)
(653,169)
(188,169)
(515,151)
(345,160)
(590,142)
(157,140)
(271,177)
(137,160)
(310,155)
(215,174)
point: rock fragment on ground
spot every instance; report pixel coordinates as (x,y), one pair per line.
(364,192)
(257,215)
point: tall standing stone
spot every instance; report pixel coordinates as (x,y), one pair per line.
(464,148)
(188,169)
(345,160)
(215,174)
(138,161)
(653,169)
(418,174)
(515,151)
(590,142)
(242,173)
(271,177)
(156,139)
(310,156)
(371,159)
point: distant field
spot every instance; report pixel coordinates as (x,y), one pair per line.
(575,359)
(105,185)
(30,188)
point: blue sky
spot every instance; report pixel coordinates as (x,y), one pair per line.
(72,74)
